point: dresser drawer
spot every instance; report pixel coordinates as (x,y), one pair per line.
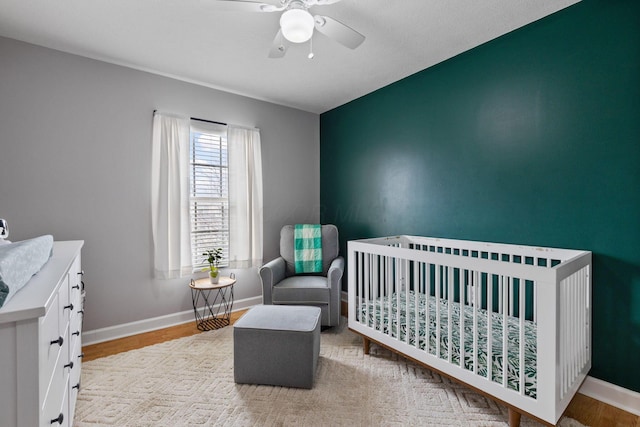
(74,375)
(77,314)
(56,409)
(76,286)
(75,298)
(65,303)
(75,348)
(51,342)
(53,403)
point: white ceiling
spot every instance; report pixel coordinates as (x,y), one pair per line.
(196,41)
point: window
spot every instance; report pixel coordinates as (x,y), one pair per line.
(191,210)
(208,191)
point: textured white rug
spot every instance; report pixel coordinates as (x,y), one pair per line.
(189,382)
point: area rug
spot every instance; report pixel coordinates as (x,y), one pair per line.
(189,382)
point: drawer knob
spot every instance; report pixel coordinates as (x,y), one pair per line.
(81,312)
(75,287)
(76,333)
(81,273)
(69,365)
(59,341)
(81,355)
(58,420)
(77,386)
(68,307)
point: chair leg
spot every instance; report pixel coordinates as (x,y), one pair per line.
(514,418)
(366,345)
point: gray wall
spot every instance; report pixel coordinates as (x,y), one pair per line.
(75,148)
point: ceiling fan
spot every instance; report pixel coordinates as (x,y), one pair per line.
(297,23)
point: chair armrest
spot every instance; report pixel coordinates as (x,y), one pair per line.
(271,274)
(334,275)
(334,282)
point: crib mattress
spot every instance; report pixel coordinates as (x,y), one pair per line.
(379,312)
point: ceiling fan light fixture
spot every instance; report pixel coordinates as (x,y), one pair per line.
(297,25)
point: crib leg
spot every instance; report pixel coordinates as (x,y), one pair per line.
(514,418)
(366,345)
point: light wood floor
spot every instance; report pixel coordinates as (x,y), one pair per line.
(584,409)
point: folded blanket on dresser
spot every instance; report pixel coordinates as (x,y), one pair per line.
(19,261)
(307,256)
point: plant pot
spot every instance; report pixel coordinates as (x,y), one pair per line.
(214,279)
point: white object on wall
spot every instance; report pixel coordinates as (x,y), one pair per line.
(4,232)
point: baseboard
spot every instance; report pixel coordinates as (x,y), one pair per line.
(127,329)
(611,394)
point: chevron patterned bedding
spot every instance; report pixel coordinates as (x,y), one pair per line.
(378,313)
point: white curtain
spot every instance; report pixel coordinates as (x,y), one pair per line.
(245,197)
(170,219)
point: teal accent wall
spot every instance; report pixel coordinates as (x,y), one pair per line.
(532,138)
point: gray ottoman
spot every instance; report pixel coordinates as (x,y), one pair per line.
(277,345)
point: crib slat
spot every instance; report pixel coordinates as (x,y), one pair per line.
(477,299)
(489,327)
(375,276)
(521,339)
(416,292)
(572,340)
(576,325)
(461,290)
(563,338)
(583,316)
(500,297)
(579,320)
(365,280)
(569,327)
(397,290)
(405,288)
(367,284)
(429,314)
(535,303)
(449,276)
(437,286)
(385,312)
(504,286)
(571,322)
(389,290)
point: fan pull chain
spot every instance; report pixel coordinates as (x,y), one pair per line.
(311,54)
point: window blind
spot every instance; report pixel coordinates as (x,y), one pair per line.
(208,191)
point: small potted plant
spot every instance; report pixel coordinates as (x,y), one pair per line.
(213,258)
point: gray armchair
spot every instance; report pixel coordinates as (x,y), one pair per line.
(281,285)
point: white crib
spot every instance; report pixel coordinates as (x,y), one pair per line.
(447,304)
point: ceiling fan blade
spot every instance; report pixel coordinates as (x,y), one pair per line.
(248,6)
(338,31)
(323,2)
(279,46)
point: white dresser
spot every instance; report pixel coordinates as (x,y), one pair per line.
(40,344)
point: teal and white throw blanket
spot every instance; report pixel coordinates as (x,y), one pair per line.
(21,260)
(307,239)
(382,314)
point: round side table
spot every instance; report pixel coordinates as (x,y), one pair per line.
(212,304)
